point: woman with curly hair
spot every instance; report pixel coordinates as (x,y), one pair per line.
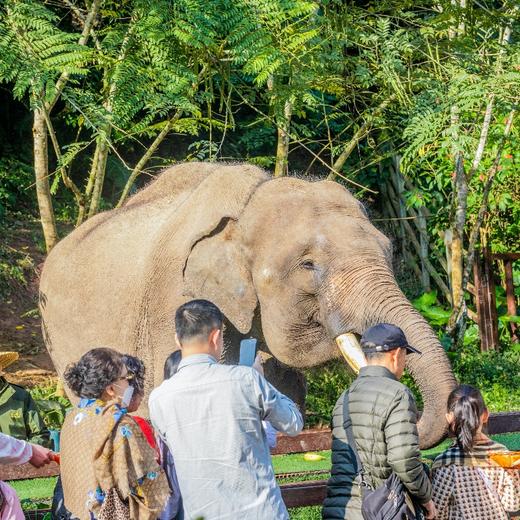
(108,469)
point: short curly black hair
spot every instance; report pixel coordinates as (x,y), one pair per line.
(95,370)
(137,369)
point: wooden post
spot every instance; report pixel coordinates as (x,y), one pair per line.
(423,239)
(510,297)
(486,304)
(399,188)
(419,220)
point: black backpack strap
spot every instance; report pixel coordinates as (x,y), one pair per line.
(347,426)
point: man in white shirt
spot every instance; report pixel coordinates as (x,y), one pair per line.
(210,415)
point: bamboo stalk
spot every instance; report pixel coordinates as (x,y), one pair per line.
(459,304)
(483,136)
(433,272)
(146,157)
(409,258)
(361,133)
(417,216)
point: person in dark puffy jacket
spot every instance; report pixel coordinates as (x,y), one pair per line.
(383,417)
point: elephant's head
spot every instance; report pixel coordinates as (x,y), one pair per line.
(305,257)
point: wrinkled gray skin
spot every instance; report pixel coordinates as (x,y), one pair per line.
(290,262)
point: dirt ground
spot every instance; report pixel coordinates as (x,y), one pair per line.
(19,318)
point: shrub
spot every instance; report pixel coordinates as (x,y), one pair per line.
(496,374)
(15,186)
(324,385)
(52,406)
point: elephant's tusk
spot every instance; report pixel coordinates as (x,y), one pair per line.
(351,349)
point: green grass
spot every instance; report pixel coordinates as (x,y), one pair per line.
(296,462)
(305,513)
(34,489)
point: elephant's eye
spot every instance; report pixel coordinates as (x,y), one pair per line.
(307,264)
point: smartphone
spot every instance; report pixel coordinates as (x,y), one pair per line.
(247,352)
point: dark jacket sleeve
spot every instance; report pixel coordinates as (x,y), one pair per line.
(402,441)
(37,432)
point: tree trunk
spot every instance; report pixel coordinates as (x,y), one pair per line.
(98,173)
(41,171)
(282,150)
(458,223)
(361,133)
(146,157)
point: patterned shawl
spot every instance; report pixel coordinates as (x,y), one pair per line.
(107,450)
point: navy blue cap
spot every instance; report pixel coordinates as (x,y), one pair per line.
(385,337)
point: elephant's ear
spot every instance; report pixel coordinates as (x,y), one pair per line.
(216,270)
(189,247)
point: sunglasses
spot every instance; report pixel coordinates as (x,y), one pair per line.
(128,377)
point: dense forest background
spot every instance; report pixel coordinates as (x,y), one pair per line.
(411,105)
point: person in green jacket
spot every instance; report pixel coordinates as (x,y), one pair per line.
(19,416)
(382,414)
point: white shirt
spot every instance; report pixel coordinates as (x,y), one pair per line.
(210,415)
(14,451)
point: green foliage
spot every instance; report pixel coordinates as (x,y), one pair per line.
(16,194)
(427,305)
(14,267)
(52,407)
(496,374)
(324,386)
(35,51)
(438,316)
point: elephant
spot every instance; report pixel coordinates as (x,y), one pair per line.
(291,262)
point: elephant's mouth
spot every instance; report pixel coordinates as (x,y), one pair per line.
(309,324)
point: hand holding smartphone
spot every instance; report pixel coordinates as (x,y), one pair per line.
(247,352)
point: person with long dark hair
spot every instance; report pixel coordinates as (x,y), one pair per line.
(108,469)
(469,479)
(173,509)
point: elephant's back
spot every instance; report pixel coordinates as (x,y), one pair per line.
(172,185)
(116,280)
(116,236)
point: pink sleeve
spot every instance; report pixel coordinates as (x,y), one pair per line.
(11,510)
(14,451)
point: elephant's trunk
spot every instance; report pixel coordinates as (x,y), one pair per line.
(383,302)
